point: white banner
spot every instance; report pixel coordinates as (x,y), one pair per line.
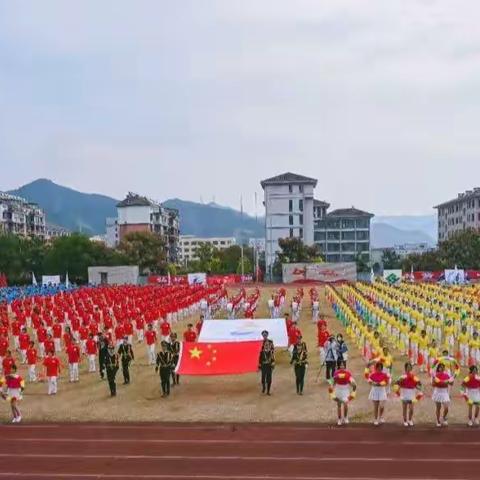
(197,278)
(50,279)
(393,277)
(242,330)
(455,277)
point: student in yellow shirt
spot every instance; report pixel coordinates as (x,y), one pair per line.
(474,345)
(413,345)
(449,332)
(463,347)
(432,355)
(423,350)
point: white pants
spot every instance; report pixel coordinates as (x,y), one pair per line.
(464,354)
(73,370)
(130,339)
(91,362)
(140,335)
(41,350)
(151,354)
(32,375)
(1,365)
(52,385)
(165,338)
(83,346)
(16,343)
(58,345)
(23,354)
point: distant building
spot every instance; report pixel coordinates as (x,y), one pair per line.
(288,200)
(343,234)
(402,250)
(188,245)
(292,211)
(140,214)
(55,231)
(99,239)
(111,232)
(459,214)
(20,217)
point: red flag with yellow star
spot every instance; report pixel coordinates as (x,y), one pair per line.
(226,358)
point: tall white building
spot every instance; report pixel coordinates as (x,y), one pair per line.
(188,245)
(111,233)
(288,200)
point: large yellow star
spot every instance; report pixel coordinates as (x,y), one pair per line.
(195,353)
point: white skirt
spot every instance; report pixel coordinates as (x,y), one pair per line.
(342,392)
(378,394)
(14,393)
(407,394)
(473,394)
(441,395)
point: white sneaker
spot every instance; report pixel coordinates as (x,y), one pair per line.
(14,420)
(376,423)
(439,424)
(405,424)
(445,422)
(382,420)
(410,422)
(346,421)
(470,423)
(19,419)
(339,422)
(477,421)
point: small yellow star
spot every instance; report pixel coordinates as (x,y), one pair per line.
(195,353)
(214,359)
(208,364)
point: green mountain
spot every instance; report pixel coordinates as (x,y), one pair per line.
(85,212)
(68,208)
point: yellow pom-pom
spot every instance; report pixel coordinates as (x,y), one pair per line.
(396,388)
(466,379)
(383,383)
(341,375)
(332,396)
(470,402)
(353,394)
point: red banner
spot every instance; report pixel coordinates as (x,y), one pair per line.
(226,358)
(436,276)
(211,279)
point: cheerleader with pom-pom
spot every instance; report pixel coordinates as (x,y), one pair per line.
(379,381)
(471,392)
(408,387)
(342,390)
(441,382)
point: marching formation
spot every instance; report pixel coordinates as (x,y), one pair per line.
(434,328)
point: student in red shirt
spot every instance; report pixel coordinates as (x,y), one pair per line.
(151,339)
(322,336)
(91,347)
(16,328)
(409,387)
(57,330)
(32,362)
(15,386)
(7,363)
(41,337)
(3,350)
(23,341)
(83,334)
(73,354)
(471,393)
(165,330)
(128,329)
(52,366)
(190,335)
(139,328)
(49,344)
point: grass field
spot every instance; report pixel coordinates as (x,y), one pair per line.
(232,399)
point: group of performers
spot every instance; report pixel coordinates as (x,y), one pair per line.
(378,316)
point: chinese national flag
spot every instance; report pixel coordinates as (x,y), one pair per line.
(227,358)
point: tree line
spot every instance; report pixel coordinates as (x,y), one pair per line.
(22,256)
(461,249)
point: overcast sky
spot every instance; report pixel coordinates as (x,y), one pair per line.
(379,100)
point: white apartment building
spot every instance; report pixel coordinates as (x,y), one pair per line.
(20,217)
(188,245)
(459,214)
(288,200)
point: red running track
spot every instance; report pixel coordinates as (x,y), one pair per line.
(236,452)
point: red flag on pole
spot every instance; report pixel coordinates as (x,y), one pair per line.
(226,358)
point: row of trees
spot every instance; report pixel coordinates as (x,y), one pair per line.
(462,249)
(20,256)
